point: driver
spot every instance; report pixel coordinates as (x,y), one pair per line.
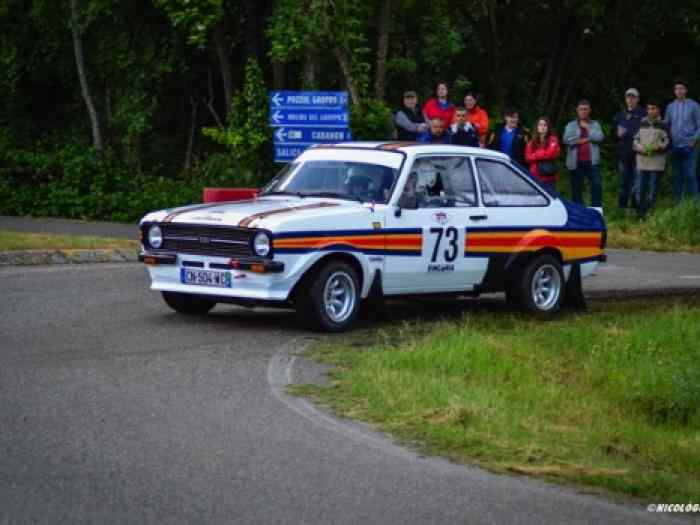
(360,183)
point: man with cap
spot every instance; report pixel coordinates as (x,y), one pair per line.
(409,121)
(626,126)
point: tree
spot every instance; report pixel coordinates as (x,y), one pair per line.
(76,31)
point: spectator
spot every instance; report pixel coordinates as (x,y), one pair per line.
(510,138)
(583,136)
(462,133)
(477,116)
(683,118)
(542,152)
(440,107)
(626,127)
(651,143)
(409,121)
(435,134)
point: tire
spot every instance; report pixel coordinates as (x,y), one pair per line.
(188,304)
(541,286)
(330,300)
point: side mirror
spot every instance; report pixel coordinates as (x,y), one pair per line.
(408,202)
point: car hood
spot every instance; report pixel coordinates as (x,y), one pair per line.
(265,212)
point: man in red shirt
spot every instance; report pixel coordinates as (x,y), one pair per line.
(583,136)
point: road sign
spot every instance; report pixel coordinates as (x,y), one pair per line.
(309,99)
(302,118)
(313,135)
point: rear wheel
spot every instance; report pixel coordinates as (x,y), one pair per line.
(541,287)
(187,303)
(331,299)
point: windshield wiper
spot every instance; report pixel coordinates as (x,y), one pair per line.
(334,195)
(295,193)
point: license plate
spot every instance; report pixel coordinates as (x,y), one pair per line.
(205,278)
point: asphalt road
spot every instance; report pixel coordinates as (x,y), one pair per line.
(115,410)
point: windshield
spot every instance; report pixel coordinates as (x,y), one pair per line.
(333,178)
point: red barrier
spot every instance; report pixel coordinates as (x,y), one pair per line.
(229,194)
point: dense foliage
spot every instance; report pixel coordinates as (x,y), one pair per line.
(110,108)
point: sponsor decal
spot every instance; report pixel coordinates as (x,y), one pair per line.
(376,259)
(441,268)
(377,225)
(441,217)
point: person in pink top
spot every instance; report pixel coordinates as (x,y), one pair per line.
(439,106)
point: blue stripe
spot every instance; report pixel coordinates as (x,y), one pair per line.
(502,229)
(347,248)
(346,233)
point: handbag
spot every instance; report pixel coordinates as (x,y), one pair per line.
(546,168)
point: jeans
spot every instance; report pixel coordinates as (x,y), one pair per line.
(646,200)
(684,173)
(627,168)
(592,173)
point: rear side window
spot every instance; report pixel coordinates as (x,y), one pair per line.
(501,185)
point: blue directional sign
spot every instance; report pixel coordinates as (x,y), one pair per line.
(315,135)
(302,118)
(308,100)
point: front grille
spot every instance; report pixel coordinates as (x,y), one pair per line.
(219,241)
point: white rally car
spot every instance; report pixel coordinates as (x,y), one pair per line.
(360,221)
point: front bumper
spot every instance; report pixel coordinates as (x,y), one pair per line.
(251,279)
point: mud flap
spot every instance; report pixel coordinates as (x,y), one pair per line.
(573,293)
(374,307)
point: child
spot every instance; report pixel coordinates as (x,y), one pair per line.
(651,145)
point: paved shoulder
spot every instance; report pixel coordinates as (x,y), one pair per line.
(638,271)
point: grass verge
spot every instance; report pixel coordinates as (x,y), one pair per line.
(674,229)
(12,241)
(608,399)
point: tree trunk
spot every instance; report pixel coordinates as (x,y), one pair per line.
(309,77)
(190,140)
(84,87)
(496,55)
(279,73)
(382,49)
(219,37)
(344,64)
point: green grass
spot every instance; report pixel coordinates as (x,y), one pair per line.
(607,399)
(11,241)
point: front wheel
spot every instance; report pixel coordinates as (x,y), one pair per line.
(331,300)
(541,287)
(187,303)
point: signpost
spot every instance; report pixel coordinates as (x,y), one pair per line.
(302,118)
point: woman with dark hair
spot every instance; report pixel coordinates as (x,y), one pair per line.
(439,106)
(542,152)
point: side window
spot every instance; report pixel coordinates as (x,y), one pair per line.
(503,186)
(441,182)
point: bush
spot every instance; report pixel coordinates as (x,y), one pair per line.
(371,120)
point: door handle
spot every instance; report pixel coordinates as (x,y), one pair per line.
(478,217)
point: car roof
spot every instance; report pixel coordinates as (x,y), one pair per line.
(414,148)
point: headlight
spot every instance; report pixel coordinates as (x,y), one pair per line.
(261,244)
(155,236)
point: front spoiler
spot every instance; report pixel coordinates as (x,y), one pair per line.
(252,264)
